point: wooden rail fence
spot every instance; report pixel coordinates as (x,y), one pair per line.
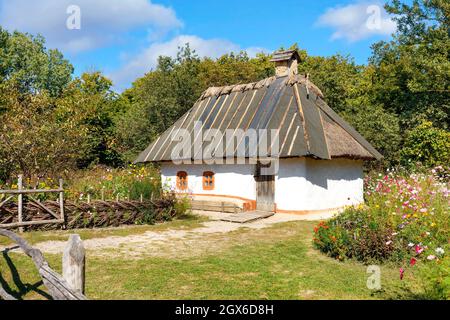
(57,218)
(69,286)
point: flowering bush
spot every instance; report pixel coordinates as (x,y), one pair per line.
(129,183)
(356,234)
(405,220)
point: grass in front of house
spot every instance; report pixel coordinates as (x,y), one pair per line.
(186,222)
(278,262)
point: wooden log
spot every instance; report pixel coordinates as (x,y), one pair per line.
(74,263)
(30,223)
(34,191)
(58,288)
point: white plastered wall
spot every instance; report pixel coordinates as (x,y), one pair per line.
(313,185)
(301,184)
(230,180)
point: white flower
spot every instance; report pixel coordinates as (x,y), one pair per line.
(410,244)
(431,257)
(440,251)
(388,243)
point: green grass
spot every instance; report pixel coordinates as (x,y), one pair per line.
(273,263)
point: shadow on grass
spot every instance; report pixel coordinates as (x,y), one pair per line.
(22,289)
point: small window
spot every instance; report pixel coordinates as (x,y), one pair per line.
(208,180)
(182,180)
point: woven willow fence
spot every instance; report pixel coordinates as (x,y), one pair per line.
(96,214)
(21,209)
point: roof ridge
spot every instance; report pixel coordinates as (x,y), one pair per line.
(267,82)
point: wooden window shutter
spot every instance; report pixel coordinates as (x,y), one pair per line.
(182,181)
(208,180)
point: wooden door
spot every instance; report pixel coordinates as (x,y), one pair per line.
(265,191)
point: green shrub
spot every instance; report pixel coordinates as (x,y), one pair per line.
(426,144)
(356,234)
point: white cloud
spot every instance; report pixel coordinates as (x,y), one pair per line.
(147,59)
(357,21)
(102,21)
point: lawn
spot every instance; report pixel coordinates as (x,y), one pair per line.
(278,262)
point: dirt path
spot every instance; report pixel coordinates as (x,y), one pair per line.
(174,243)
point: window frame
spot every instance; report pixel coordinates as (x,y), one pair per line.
(182,180)
(209,177)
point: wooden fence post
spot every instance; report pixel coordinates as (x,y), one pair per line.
(61,202)
(20,201)
(74,263)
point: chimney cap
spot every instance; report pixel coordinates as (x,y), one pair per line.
(285,55)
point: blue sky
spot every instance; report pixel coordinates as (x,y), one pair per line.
(124,38)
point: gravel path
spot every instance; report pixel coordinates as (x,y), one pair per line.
(170,243)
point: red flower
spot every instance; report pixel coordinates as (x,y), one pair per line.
(412,262)
(402,271)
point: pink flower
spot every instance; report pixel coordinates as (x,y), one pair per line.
(419,250)
(431,257)
(402,271)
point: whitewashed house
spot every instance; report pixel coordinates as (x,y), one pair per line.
(319,157)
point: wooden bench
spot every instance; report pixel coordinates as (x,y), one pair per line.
(216,206)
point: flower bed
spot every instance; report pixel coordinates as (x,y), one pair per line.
(405,220)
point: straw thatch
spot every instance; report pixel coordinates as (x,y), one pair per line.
(293,105)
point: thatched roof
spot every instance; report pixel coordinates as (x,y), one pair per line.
(307,125)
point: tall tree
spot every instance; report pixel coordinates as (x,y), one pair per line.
(97,106)
(412,75)
(25,60)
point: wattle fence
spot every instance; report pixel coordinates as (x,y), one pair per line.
(20,209)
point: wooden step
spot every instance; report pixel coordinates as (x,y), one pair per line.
(246,217)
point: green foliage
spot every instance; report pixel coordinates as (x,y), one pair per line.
(26,62)
(129,183)
(426,144)
(356,234)
(35,140)
(98,106)
(413,70)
